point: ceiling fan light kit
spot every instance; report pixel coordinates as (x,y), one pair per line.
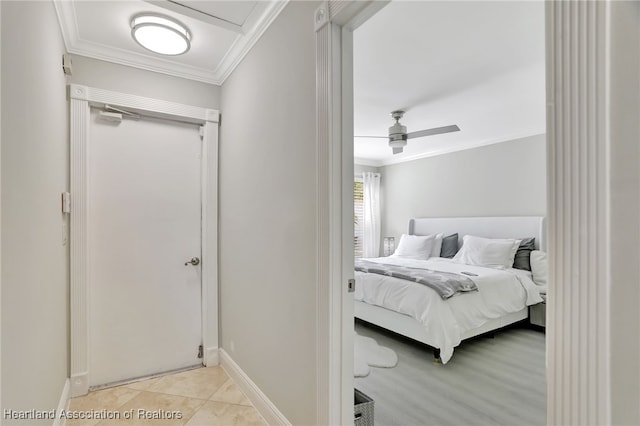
(397,133)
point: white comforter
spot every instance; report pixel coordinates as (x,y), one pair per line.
(500,292)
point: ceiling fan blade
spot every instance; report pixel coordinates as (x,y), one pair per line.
(397,150)
(382,137)
(434,131)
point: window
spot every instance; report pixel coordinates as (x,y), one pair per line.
(358,217)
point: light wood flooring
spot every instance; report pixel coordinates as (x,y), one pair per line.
(204,396)
(488,381)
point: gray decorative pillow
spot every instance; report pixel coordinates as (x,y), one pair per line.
(523,255)
(449,246)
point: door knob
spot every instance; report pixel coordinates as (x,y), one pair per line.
(194,261)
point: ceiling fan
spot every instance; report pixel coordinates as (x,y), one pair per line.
(398,133)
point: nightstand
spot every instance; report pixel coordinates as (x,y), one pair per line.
(538,313)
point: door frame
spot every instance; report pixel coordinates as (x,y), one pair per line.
(81,98)
(578,138)
(335,22)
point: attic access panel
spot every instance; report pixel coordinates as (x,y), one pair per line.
(235,12)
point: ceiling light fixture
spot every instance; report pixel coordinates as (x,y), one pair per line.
(160,34)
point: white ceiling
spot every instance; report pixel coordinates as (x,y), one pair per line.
(222,33)
(477,64)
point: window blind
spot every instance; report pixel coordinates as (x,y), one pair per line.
(358,219)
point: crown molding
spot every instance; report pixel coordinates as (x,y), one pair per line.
(254,27)
(366,162)
(460,147)
(243,45)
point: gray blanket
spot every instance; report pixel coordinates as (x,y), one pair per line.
(446,284)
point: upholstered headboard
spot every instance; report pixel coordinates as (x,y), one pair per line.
(488,227)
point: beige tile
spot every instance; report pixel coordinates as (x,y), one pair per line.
(215,413)
(103,413)
(145,408)
(106,399)
(183,393)
(216,371)
(80,422)
(200,383)
(230,393)
(143,384)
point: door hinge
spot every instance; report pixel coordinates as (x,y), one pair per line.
(66,202)
(200,351)
(201,132)
(351,285)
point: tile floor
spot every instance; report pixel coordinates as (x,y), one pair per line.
(204,396)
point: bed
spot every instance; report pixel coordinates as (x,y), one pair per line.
(418,312)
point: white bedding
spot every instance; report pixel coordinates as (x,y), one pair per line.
(500,292)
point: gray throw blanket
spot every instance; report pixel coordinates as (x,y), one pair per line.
(446,284)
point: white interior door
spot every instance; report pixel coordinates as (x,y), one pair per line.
(143,223)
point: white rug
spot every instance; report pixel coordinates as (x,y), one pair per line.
(367,353)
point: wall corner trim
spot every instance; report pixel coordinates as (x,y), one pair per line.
(211,356)
(79,92)
(79,384)
(321,16)
(260,401)
(212,115)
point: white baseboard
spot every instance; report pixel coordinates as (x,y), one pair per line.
(265,407)
(63,404)
(211,357)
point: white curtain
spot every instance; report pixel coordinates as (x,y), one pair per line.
(371,222)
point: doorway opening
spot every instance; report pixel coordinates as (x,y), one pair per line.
(117,214)
(579,137)
(480,67)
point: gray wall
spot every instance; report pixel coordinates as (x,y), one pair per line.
(505,179)
(34,173)
(268,214)
(625,213)
(120,78)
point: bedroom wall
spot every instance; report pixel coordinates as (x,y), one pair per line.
(34,172)
(121,78)
(505,179)
(267,226)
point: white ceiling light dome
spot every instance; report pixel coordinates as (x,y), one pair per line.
(160,34)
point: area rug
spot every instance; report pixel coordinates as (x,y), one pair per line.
(367,353)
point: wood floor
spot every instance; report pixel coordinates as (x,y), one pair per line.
(489,381)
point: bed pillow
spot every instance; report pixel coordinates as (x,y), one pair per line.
(437,245)
(449,246)
(489,252)
(522,259)
(539,267)
(415,246)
